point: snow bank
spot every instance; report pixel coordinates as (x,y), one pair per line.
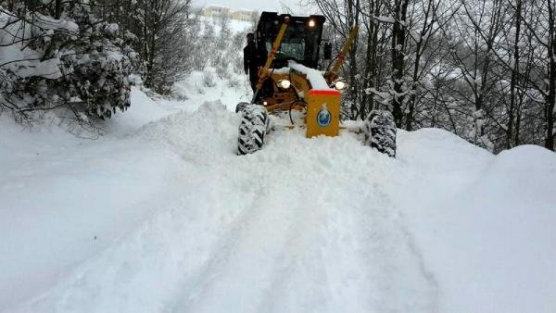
(143,111)
(194,88)
(206,135)
(484,223)
(65,199)
(498,237)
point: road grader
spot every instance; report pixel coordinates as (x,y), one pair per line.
(296,93)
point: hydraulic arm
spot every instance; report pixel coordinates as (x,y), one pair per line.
(332,74)
(264,72)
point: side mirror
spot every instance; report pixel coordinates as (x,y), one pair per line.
(327,51)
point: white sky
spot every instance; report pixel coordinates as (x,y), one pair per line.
(259,5)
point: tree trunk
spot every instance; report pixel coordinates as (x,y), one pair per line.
(514,80)
(398,44)
(58,9)
(353,18)
(551,97)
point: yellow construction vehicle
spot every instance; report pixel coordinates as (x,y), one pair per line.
(290,86)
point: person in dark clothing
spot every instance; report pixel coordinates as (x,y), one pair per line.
(251,60)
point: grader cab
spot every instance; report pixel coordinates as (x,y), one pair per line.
(292,90)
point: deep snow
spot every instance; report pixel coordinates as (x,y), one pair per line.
(160,215)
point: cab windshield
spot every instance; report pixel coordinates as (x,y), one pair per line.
(300,43)
(289,50)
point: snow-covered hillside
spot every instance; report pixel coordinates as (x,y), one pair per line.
(160,215)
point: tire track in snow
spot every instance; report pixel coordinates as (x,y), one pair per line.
(302,282)
(323,252)
(355,256)
(193,295)
(404,283)
(241,271)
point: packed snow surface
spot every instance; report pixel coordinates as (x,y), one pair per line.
(160,215)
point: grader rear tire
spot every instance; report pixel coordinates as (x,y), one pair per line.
(252,129)
(381,132)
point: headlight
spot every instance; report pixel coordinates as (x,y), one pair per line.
(340,85)
(312,23)
(284,84)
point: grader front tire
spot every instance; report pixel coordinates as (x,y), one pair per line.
(252,129)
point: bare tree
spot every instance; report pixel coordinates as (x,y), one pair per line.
(428,17)
(398,44)
(477,28)
(375,36)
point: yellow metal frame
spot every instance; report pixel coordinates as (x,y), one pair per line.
(263,72)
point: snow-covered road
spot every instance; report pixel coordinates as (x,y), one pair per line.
(320,225)
(268,232)
(311,234)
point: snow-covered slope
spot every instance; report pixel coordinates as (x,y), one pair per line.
(160,215)
(485,224)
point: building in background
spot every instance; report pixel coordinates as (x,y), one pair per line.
(220,11)
(215,11)
(243,15)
